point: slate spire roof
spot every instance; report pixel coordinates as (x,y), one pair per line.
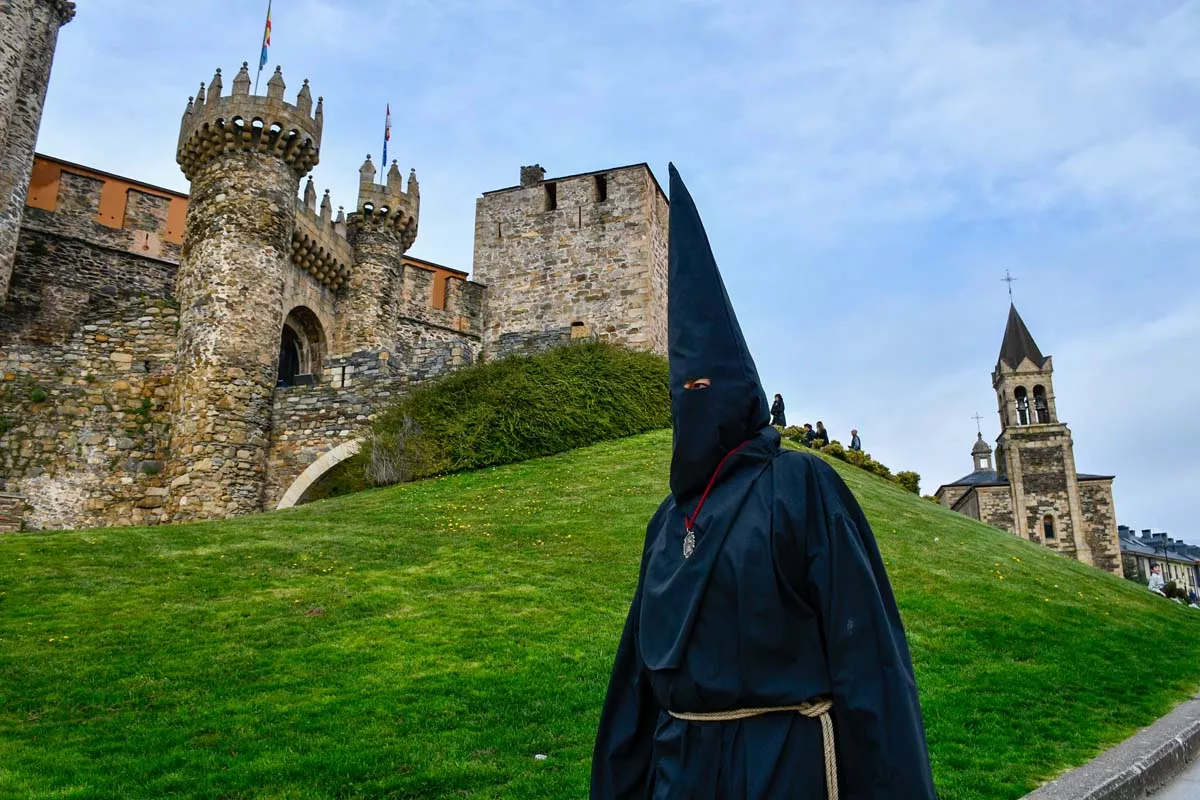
(1018,342)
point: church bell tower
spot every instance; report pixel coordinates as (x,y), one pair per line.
(1034,450)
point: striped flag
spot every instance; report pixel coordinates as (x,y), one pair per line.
(387,134)
(266,43)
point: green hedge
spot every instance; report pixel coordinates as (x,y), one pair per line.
(908,479)
(511,410)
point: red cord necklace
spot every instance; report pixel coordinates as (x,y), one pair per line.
(689,538)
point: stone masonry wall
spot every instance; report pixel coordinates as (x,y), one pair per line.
(308,421)
(1100,524)
(83,422)
(236,253)
(1038,468)
(66,260)
(28,36)
(575,252)
(371,304)
(995,507)
(951,495)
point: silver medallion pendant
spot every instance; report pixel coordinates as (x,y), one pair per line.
(689,544)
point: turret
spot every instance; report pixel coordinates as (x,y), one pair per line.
(214,125)
(30,33)
(382,228)
(245,156)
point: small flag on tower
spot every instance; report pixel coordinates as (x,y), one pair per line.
(387,133)
(266,43)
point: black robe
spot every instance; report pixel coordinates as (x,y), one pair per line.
(777,415)
(785,599)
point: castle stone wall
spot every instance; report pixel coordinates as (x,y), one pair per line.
(28,36)
(83,422)
(585,252)
(309,421)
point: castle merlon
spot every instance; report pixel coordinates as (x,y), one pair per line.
(389,204)
(214,124)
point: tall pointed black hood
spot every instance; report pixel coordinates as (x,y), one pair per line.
(704,341)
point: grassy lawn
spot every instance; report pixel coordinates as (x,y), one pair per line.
(431,639)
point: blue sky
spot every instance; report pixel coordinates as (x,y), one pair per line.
(867,172)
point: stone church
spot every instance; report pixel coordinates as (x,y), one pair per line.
(1032,488)
(168,357)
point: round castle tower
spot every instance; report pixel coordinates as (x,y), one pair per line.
(245,156)
(380,231)
(28,35)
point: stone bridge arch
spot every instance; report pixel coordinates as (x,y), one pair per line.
(313,472)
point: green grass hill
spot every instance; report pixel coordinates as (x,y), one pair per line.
(431,639)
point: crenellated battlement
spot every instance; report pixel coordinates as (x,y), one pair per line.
(389,205)
(319,243)
(213,124)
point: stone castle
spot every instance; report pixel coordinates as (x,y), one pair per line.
(168,357)
(1033,489)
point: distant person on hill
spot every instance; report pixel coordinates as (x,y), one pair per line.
(1156,583)
(822,435)
(809,433)
(763,656)
(855,442)
(777,417)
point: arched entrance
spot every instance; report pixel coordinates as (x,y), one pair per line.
(301,348)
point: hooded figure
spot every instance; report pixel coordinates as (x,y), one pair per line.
(763,630)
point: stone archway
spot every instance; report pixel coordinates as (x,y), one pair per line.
(302,347)
(315,470)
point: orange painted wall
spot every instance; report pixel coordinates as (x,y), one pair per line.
(43,194)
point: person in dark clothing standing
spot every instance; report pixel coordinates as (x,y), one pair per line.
(763,656)
(777,417)
(822,436)
(855,442)
(809,433)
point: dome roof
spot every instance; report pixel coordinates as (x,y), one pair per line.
(981,447)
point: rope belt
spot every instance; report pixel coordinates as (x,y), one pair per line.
(818,709)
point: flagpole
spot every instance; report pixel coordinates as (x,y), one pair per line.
(262,48)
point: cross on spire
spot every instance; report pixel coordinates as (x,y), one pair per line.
(1009,280)
(977,419)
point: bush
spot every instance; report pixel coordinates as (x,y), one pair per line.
(910,480)
(518,408)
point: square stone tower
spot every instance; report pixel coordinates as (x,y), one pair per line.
(1051,502)
(573,258)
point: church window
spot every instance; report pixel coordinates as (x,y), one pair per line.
(1022,405)
(601,188)
(551,196)
(1048,527)
(1040,405)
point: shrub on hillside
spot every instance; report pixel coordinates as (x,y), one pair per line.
(908,479)
(518,408)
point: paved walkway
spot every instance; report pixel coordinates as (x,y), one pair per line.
(1185,787)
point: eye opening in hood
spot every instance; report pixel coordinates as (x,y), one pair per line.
(697,383)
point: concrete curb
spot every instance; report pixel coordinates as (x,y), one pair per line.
(1143,763)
